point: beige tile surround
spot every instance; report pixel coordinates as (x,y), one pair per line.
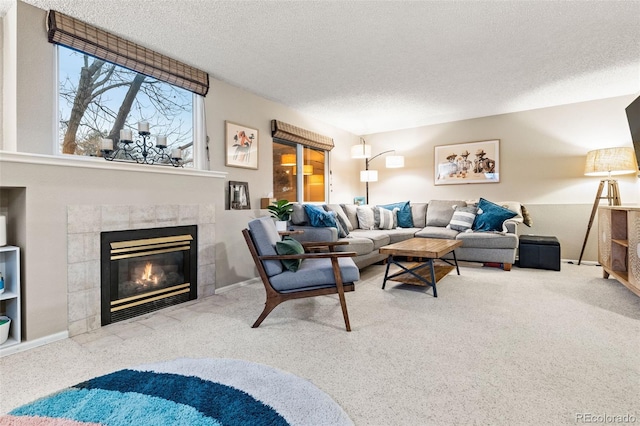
(84,224)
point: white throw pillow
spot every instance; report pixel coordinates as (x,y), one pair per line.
(463,217)
(366,220)
(388,219)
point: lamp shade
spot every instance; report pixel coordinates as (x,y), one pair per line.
(394,161)
(611,161)
(307,170)
(316,180)
(368,175)
(361,151)
(288,160)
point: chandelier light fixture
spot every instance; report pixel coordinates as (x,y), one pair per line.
(142,150)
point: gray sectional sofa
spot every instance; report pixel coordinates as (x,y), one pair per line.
(430,220)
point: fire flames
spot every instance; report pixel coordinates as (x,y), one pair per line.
(148,277)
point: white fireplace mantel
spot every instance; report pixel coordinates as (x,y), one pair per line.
(99,163)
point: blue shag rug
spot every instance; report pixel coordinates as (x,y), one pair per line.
(186,392)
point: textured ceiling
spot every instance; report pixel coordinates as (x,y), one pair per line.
(372,66)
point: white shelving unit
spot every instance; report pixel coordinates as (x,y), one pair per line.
(10,299)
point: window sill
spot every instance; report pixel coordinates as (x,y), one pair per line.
(98,163)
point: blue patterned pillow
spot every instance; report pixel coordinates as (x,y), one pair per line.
(318,217)
(491,216)
(405,218)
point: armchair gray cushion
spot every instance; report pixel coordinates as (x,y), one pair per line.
(266,236)
(315,273)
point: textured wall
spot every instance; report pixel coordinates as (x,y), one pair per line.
(542,154)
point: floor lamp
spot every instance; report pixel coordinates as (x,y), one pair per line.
(607,162)
(364,151)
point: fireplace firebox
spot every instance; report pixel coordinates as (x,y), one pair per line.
(144,270)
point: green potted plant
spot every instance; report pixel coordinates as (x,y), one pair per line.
(281,210)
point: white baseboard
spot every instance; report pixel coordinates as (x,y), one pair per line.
(237,285)
(30,344)
(584,262)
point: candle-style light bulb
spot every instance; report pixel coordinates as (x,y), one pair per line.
(161,141)
(106,144)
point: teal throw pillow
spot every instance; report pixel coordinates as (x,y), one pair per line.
(318,217)
(491,216)
(405,219)
(290,246)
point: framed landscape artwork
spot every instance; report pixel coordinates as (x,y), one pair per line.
(470,162)
(241,146)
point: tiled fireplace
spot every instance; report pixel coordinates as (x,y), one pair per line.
(84,226)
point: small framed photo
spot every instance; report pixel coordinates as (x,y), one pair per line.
(470,162)
(239,196)
(359,201)
(241,146)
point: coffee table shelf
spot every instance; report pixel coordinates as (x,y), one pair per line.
(425,273)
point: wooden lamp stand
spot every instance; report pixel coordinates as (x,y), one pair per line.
(613,198)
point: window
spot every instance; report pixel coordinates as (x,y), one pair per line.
(288,160)
(98,98)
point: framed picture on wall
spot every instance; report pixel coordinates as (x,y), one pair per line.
(470,162)
(239,196)
(241,146)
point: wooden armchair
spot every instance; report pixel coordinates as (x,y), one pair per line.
(320,273)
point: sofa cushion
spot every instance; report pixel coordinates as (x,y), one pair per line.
(379,237)
(419,214)
(299,215)
(290,246)
(439,212)
(491,216)
(359,245)
(385,219)
(488,240)
(463,218)
(401,234)
(351,211)
(437,232)
(340,213)
(315,273)
(265,236)
(405,220)
(366,219)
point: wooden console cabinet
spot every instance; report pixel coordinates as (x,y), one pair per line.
(619,244)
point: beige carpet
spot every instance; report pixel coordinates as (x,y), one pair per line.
(525,347)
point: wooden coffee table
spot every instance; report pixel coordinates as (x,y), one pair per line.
(425,248)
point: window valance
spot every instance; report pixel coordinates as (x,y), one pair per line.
(295,134)
(94,41)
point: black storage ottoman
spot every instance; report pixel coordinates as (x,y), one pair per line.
(539,252)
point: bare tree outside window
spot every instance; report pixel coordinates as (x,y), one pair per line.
(97,99)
